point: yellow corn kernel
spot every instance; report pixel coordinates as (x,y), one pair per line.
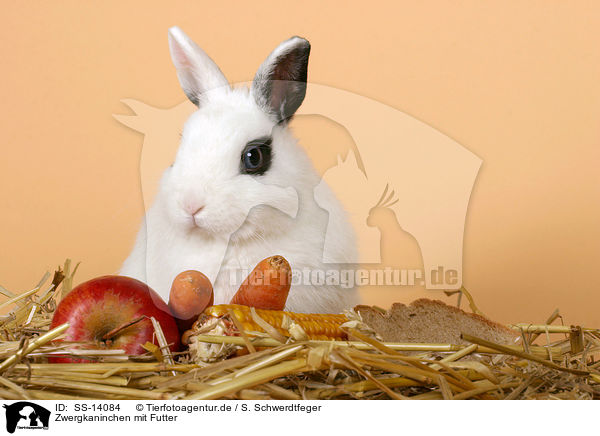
(318,326)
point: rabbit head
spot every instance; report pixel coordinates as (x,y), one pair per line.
(236,152)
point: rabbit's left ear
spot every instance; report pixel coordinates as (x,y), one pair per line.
(279,86)
(196,71)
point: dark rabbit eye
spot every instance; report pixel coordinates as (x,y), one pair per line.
(256,157)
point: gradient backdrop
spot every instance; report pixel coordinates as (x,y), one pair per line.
(517,83)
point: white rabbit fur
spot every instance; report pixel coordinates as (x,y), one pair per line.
(206,172)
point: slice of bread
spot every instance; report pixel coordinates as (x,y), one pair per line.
(432,321)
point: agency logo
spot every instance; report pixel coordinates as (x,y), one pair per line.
(24,415)
(405,186)
(393,202)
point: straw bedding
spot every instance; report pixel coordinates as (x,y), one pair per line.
(550,361)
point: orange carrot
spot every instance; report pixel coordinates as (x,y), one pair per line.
(267,286)
(190,294)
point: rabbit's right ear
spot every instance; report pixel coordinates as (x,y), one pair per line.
(196,71)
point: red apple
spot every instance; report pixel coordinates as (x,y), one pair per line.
(103,304)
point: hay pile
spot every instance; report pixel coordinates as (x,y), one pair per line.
(551,362)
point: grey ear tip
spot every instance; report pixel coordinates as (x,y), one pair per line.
(300,40)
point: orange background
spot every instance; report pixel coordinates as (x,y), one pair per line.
(517,83)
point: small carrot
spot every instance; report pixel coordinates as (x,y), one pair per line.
(190,294)
(267,286)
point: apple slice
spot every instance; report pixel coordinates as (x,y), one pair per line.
(113,312)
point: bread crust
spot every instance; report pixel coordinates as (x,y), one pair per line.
(432,321)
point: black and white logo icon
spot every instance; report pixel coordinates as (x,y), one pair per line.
(26,415)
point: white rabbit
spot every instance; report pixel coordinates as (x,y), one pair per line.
(230,198)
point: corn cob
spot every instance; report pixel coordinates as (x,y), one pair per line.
(317,326)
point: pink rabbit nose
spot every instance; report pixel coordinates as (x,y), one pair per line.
(193,209)
(197,211)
